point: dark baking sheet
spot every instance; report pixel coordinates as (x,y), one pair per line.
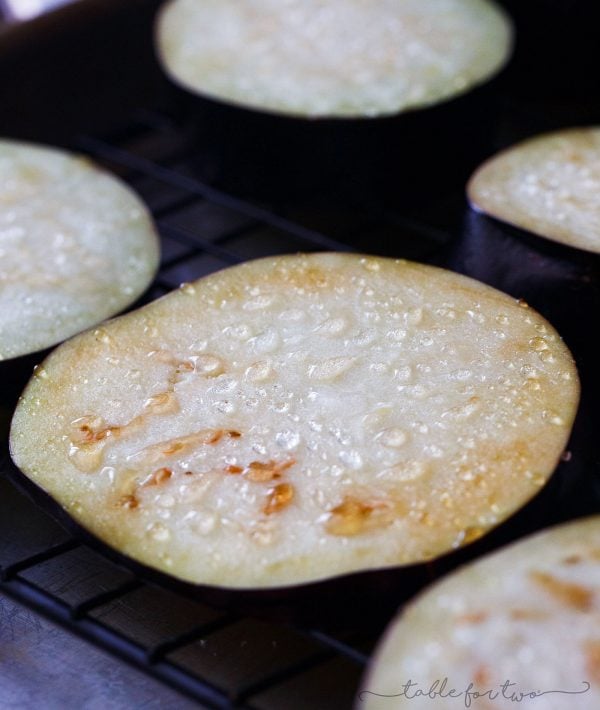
(108,99)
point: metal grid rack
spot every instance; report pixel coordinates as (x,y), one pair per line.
(219,659)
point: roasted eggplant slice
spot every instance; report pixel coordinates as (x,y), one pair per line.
(76,246)
(301,417)
(548,185)
(519,627)
(347,58)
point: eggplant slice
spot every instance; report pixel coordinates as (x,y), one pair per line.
(297,418)
(519,627)
(76,246)
(547,185)
(346,58)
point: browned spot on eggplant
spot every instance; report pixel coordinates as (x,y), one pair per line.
(573,595)
(354,516)
(476,617)
(90,430)
(129,502)
(264,472)
(591,650)
(157,478)
(482,677)
(572,560)
(204,437)
(527,614)
(161,403)
(279,498)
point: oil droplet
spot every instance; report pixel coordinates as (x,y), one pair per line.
(529,372)
(331,368)
(547,356)
(162,403)
(266,342)
(408,470)
(397,334)
(392,438)
(553,418)
(205,523)
(538,344)
(378,367)
(159,532)
(88,457)
(287,439)
(351,458)
(414,316)
(188,289)
(502,319)
(208,365)
(239,332)
(262,537)
(259,371)
(258,303)
(535,478)
(419,392)
(41,372)
(224,406)
(333,326)
(447,501)
(102,336)
(469,534)
(463,411)
(110,472)
(370,264)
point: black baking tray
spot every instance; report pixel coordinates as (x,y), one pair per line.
(99,90)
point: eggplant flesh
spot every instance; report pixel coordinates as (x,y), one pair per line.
(345,59)
(490,632)
(298,418)
(76,246)
(547,185)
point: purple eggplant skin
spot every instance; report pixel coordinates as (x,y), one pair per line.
(353,602)
(398,159)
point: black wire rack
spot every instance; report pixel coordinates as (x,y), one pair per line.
(220,659)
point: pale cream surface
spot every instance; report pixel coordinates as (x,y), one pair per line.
(529,614)
(76,246)
(549,185)
(336,58)
(299,417)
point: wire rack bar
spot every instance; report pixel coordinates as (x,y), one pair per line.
(11,570)
(129,160)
